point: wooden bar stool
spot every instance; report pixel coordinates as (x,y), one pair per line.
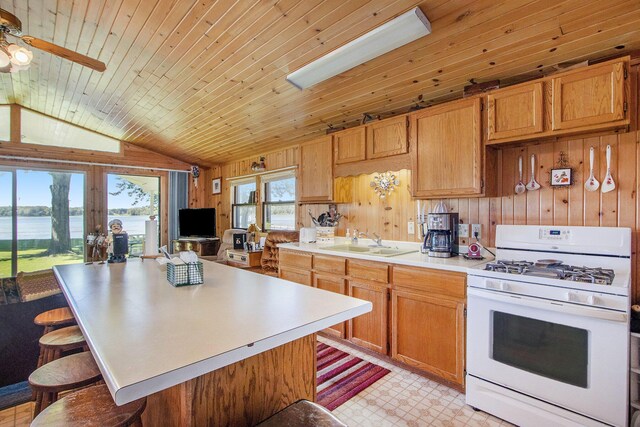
(89,407)
(55,318)
(53,344)
(66,373)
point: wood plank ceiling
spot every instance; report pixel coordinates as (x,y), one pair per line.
(204,80)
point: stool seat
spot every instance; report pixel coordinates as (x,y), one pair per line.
(303,414)
(64,339)
(66,373)
(56,317)
(91,406)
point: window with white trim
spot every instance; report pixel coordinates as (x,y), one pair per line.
(243,203)
(279,205)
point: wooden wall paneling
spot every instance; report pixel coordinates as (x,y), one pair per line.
(592,198)
(533,197)
(575,205)
(544,164)
(560,214)
(608,201)
(520,200)
(509,180)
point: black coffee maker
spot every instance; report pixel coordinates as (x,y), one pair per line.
(440,235)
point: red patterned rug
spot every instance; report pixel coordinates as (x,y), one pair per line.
(342,375)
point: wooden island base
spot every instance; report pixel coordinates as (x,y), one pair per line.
(241,394)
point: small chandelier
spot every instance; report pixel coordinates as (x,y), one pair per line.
(384,183)
(13,58)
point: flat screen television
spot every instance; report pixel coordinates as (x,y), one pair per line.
(197,222)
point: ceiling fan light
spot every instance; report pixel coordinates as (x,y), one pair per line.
(4,59)
(20,55)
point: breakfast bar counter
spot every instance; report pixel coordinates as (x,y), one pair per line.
(233,350)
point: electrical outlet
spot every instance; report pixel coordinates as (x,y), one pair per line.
(476,228)
(411,227)
(463,230)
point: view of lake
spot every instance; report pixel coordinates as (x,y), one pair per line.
(39,227)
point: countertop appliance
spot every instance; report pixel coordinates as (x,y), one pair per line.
(548,327)
(440,235)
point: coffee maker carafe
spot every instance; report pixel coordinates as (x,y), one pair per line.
(440,235)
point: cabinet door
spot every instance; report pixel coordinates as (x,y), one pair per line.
(448,157)
(349,145)
(515,111)
(387,138)
(293,275)
(589,97)
(316,171)
(429,333)
(333,284)
(370,330)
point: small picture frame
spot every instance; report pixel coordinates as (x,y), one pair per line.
(216,186)
(561,177)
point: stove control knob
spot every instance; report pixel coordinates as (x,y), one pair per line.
(570,296)
(504,286)
(593,300)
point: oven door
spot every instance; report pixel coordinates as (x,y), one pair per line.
(572,356)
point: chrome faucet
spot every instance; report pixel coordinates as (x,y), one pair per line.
(377,240)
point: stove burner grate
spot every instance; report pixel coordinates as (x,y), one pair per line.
(595,275)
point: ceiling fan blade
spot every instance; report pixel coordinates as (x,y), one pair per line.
(65,53)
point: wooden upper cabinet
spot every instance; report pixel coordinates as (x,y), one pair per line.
(316,171)
(387,138)
(350,145)
(515,111)
(589,97)
(448,150)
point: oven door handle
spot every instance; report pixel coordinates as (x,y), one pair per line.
(593,312)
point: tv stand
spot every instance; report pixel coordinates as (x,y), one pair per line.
(203,246)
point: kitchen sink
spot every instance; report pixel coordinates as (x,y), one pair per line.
(363,250)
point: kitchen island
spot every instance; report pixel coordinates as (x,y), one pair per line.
(231,351)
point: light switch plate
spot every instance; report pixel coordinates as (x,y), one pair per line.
(411,227)
(476,228)
(463,230)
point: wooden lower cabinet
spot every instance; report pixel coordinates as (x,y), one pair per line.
(370,330)
(332,284)
(299,276)
(428,332)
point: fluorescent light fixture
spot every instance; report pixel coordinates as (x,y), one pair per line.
(393,34)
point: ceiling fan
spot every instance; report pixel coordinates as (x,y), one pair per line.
(15,58)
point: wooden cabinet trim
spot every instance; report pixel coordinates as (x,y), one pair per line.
(475,152)
(616,71)
(444,283)
(381,303)
(354,139)
(397,123)
(368,270)
(536,112)
(295,259)
(329,264)
(457,376)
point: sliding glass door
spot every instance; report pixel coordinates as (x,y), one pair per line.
(133,199)
(41,219)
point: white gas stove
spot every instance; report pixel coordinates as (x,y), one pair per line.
(548,326)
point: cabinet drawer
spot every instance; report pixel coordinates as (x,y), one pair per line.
(374,271)
(298,276)
(432,281)
(295,259)
(328,264)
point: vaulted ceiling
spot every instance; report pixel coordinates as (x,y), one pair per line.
(204,80)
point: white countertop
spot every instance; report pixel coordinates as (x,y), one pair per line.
(147,335)
(414,259)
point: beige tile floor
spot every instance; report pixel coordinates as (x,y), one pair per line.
(401,398)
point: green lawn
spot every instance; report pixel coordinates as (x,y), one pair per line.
(34,259)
